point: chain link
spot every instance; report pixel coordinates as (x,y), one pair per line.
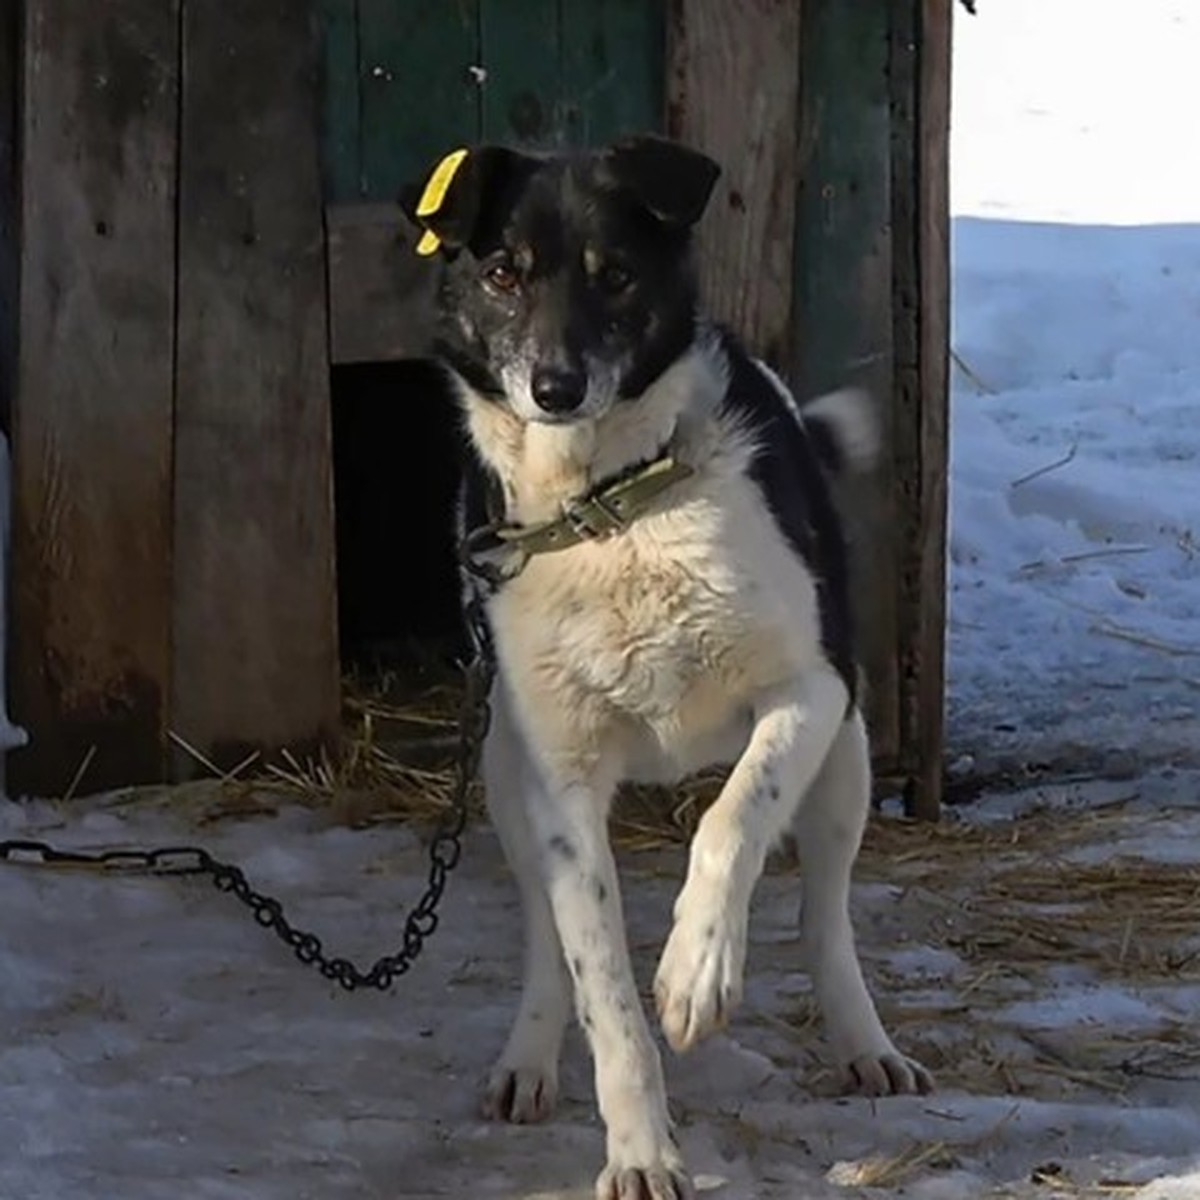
(444,851)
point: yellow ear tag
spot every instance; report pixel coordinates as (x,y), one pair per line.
(434,195)
(429,243)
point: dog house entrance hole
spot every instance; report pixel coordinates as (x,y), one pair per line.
(395,464)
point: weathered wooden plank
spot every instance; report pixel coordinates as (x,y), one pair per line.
(10,736)
(919,72)
(92,419)
(341,131)
(842,320)
(420,96)
(520,93)
(255,650)
(906,392)
(380,290)
(9,250)
(613,58)
(927,663)
(732,91)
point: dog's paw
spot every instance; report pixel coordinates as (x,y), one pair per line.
(521,1095)
(699,979)
(663,1180)
(888,1074)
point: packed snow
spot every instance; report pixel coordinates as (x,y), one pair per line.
(1038,951)
(1075,486)
(158,1043)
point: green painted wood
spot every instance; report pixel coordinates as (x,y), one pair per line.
(613,55)
(419,97)
(521,92)
(843,251)
(340,100)
(400,88)
(842,310)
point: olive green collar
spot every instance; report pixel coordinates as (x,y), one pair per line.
(500,550)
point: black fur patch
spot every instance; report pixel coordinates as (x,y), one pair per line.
(788,472)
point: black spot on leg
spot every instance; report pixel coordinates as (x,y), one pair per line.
(600,889)
(577,967)
(585,1018)
(710,933)
(563,848)
(769,787)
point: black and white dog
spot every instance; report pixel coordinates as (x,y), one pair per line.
(675,596)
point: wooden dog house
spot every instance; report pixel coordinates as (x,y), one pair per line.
(198,240)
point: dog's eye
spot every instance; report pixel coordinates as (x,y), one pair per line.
(614,279)
(502,277)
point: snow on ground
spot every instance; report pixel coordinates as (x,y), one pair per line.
(157,1043)
(1075,594)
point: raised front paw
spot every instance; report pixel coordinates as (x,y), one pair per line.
(699,979)
(887,1074)
(522,1095)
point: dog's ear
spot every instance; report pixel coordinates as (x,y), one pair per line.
(447,205)
(671,180)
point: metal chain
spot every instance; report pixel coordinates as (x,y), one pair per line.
(444,851)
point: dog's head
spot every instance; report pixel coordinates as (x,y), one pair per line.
(568,283)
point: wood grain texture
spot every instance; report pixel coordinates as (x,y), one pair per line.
(341,101)
(613,57)
(519,49)
(381,292)
(255,650)
(919,72)
(92,415)
(419,97)
(843,318)
(933,251)
(9,200)
(732,91)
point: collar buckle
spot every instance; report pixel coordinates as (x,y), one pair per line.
(593,518)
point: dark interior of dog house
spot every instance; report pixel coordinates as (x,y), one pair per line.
(233,469)
(396,441)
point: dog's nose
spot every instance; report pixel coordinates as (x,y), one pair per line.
(558,390)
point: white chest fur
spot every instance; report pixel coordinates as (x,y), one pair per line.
(647,647)
(651,643)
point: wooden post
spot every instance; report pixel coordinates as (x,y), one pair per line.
(92,412)
(920,75)
(255,644)
(933,159)
(9,199)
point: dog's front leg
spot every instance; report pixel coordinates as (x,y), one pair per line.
(523,1085)
(699,979)
(581,880)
